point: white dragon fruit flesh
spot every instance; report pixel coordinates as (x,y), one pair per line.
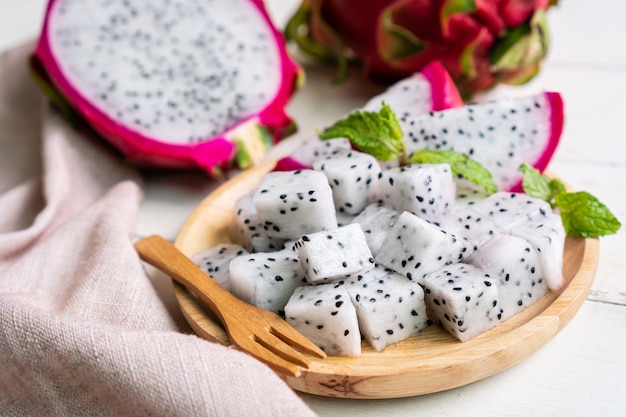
(507,210)
(353,177)
(215,261)
(185,84)
(500,134)
(266,279)
(472,227)
(389,307)
(515,264)
(376,220)
(426,190)
(325,315)
(328,255)
(414,247)
(294,203)
(431,89)
(248,228)
(463,300)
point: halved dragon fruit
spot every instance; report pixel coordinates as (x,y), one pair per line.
(500,134)
(182,84)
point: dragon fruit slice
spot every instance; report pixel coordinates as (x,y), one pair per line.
(248,228)
(499,134)
(415,247)
(426,190)
(432,89)
(515,263)
(267,279)
(325,315)
(389,307)
(353,177)
(463,300)
(294,203)
(332,254)
(182,84)
(215,261)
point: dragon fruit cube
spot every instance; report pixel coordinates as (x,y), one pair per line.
(324,314)
(249,231)
(376,220)
(333,254)
(353,177)
(294,203)
(426,190)
(389,307)
(414,247)
(215,261)
(266,279)
(463,300)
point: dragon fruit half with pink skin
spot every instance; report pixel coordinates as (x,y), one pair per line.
(185,84)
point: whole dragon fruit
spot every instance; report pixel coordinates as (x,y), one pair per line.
(479,42)
(185,84)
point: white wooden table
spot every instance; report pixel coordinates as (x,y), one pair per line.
(581,371)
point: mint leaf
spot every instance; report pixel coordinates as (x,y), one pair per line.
(584,215)
(377,133)
(462,166)
(539,185)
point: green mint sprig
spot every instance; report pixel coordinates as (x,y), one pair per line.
(380,135)
(377,133)
(583,215)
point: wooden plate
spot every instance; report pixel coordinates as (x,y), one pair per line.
(428,362)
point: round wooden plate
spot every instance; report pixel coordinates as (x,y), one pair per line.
(428,362)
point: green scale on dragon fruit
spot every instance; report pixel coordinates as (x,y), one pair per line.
(415,247)
(463,300)
(389,307)
(185,84)
(215,261)
(515,264)
(376,220)
(266,279)
(431,89)
(325,315)
(426,190)
(248,228)
(531,219)
(353,177)
(295,203)
(500,134)
(329,255)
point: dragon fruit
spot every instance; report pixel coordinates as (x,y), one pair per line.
(329,255)
(248,228)
(500,134)
(215,261)
(376,220)
(294,203)
(415,247)
(389,307)
(185,84)
(432,89)
(480,43)
(426,190)
(463,300)
(515,263)
(266,279)
(325,315)
(353,177)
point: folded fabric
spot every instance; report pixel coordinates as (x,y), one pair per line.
(83,329)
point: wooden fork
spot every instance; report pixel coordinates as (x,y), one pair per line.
(259,332)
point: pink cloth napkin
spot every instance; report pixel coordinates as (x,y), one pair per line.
(83,331)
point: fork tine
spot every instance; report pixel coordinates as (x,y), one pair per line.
(280,348)
(262,353)
(292,337)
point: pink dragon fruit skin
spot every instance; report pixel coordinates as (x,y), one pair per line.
(480,42)
(210,154)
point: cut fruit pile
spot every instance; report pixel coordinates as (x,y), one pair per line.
(346,247)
